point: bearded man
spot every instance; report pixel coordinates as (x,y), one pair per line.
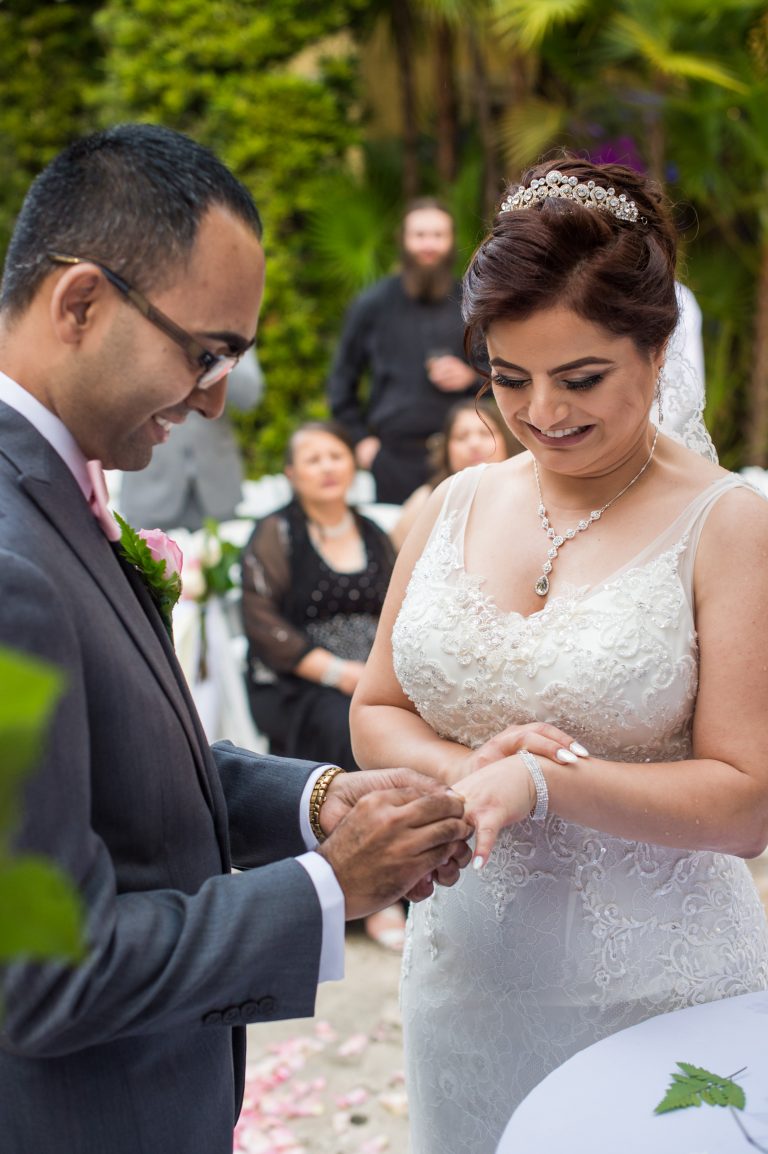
(405,334)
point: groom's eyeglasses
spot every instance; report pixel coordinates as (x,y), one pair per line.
(212,366)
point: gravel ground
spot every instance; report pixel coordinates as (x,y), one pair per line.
(332,1084)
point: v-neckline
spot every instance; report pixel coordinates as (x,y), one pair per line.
(583,593)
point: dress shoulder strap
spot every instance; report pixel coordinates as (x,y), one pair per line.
(691,522)
(459,495)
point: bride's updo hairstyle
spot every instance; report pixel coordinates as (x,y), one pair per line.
(557,251)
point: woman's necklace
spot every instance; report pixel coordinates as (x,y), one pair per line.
(332,532)
(559,539)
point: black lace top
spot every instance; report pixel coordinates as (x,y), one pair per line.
(293,601)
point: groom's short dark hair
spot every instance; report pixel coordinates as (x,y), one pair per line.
(131,197)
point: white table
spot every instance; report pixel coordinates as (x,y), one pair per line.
(601,1101)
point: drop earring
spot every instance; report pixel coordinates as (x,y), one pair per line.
(657,398)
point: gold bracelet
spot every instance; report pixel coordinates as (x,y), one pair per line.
(317,799)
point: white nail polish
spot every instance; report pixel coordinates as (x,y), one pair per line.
(579,749)
(478,863)
(566,757)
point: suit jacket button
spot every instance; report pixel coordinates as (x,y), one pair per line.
(231,1015)
(212,1019)
(249,1009)
(266,1004)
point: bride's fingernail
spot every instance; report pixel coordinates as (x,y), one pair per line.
(566,757)
(578,749)
(478,863)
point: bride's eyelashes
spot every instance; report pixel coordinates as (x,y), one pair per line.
(508,382)
(583,383)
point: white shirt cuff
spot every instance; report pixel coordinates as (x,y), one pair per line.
(329,892)
(331,900)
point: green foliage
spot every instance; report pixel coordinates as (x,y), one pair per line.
(28,693)
(696,1085)
(40,912)
(278,90)
(227,73)
(220,563)
(48,54)
(684,83)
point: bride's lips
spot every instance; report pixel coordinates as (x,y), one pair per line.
(560,438)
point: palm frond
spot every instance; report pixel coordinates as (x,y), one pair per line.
(453,12)
(529,129)
(526,23)
(351,234)
(631,37)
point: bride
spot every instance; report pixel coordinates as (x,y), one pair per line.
(575,639)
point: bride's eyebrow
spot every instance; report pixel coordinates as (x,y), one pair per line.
(499,362)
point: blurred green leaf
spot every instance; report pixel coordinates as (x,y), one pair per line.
(41,914)
(28,693)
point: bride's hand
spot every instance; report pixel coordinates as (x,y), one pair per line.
(538,737)
(495,796)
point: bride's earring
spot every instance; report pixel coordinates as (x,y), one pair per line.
(657,396)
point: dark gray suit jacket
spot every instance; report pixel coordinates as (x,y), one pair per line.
(134,1051)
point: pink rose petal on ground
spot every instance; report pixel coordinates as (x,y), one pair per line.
(354,1097)
(312,1108)
(354,1046)
(375,1145)
(340,1122)
(396,1101)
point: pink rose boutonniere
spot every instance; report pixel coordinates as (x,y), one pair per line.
(158,559)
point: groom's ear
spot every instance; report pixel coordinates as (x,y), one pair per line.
(80,301)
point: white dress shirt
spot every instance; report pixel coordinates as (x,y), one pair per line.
(329,891)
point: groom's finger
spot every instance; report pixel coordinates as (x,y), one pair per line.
(423,809)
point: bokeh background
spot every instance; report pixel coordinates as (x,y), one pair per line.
(334,113)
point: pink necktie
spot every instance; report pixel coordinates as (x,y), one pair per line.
(98,501)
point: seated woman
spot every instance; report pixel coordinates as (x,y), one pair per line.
(314,578)
(473,434)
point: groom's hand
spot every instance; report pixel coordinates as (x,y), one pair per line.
(387,842)
(346,790)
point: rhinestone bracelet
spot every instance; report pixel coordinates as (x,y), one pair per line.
(317,799)
(539,811)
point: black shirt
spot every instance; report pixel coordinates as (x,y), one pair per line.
(390,336)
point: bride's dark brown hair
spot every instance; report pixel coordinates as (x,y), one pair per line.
(617,274)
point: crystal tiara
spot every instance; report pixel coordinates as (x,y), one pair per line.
(588,193)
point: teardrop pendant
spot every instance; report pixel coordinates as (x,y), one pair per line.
(542,585)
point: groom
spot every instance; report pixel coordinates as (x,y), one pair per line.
(132,285)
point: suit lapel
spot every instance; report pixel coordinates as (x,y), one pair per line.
(47,481)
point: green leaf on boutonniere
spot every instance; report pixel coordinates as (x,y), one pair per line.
(164,590)
(696,1085)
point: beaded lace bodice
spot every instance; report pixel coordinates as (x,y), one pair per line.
(567,934)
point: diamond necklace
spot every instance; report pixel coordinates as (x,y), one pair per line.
(559,539)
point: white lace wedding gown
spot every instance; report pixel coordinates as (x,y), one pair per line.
(567,934)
